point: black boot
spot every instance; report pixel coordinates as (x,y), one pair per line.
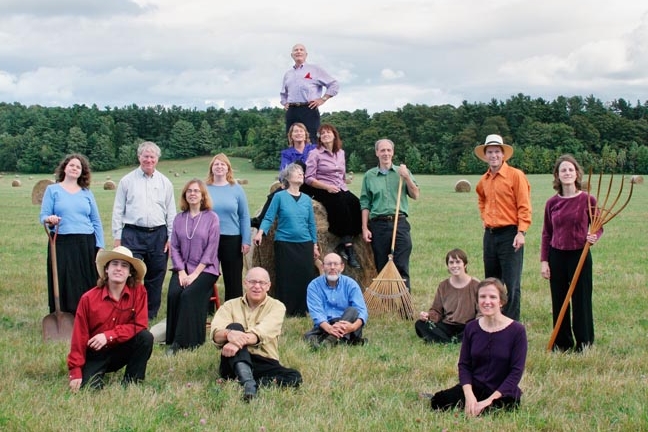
(244,374)
(341,250)
(353,261)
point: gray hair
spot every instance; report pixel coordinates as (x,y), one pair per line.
(383,140)
(286,172)
(149,145)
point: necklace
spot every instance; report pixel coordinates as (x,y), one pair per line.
(195,225)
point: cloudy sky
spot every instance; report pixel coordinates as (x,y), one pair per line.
(201,53)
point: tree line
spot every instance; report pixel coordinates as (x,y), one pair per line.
(608,137)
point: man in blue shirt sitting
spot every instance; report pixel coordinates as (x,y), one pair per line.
(336,305)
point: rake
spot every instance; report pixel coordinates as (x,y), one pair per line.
(388,292)
(598,217)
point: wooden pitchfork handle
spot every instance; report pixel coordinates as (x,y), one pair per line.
(397,214)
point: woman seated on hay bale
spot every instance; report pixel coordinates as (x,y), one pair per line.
(299,146)
(326,175)
(455,303)
(295,241)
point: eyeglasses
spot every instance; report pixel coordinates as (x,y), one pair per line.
(332,264)
(257,282)
(196,191)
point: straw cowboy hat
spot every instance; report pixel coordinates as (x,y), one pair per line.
(493,140)
(120,253)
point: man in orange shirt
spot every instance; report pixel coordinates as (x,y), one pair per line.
(505,207)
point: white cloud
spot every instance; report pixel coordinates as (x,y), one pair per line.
(384,53)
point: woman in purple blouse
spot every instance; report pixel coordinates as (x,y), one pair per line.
(326,175)
(491,363)
(564,234)
(194,255)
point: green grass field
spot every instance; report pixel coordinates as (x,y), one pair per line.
(369,388)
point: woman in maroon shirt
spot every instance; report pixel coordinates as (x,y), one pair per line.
(564,234)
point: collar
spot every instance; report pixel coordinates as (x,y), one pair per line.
(503,171)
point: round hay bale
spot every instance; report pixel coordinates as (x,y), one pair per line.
(462,186)
(274,186)
(242,181)
(39,190)
(263,255)
(176,174)
(107,177)
(109,185)
(31,177)
(17,176)
(184,171)
(636,179)
(16,183)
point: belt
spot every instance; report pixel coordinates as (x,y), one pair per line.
(144,229)
(387,217)
(496,230)
(298,104)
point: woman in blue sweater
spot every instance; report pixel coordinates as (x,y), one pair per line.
(69,204)
(230,204)
(295,241)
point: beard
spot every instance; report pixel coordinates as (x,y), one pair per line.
(332,277)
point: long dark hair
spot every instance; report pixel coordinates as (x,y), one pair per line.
(84,178)
(579,173)
(337,141)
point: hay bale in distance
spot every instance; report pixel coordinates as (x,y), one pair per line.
(462,186)
(109,185)
(176,174)
(242,181)
(39,190)
(16,183)
(636,179)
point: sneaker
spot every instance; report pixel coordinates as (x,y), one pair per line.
(351,258)
(341,250)
(329,341)
(172,349)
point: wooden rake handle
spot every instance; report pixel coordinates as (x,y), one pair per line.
(398,198)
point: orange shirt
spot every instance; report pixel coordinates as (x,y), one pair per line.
(504,198)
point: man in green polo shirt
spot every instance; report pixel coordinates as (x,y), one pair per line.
(378,204)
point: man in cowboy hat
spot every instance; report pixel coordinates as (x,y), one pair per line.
(110,326)
(505,206)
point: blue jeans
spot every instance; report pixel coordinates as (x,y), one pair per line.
(503,262)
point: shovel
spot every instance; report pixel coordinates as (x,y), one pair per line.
(58,325)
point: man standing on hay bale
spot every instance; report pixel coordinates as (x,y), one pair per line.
(505,206)
(142,219)
(336,305)
(247,330)
(378,204)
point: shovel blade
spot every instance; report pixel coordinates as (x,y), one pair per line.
(57,326)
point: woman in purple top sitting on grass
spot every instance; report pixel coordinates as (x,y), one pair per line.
(194,256)
(491,363)
(564,234)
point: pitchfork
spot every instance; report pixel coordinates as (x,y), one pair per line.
(598,217)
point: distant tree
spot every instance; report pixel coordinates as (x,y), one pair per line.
(183,141)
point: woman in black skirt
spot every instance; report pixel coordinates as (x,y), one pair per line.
(295,241)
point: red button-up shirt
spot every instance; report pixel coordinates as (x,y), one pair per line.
(120,320)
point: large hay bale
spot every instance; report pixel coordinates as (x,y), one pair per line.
(462,186)
(109,185)
(16,183)
(39,190)
(176,174)
(242,181)
(636,179)
(263,256)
